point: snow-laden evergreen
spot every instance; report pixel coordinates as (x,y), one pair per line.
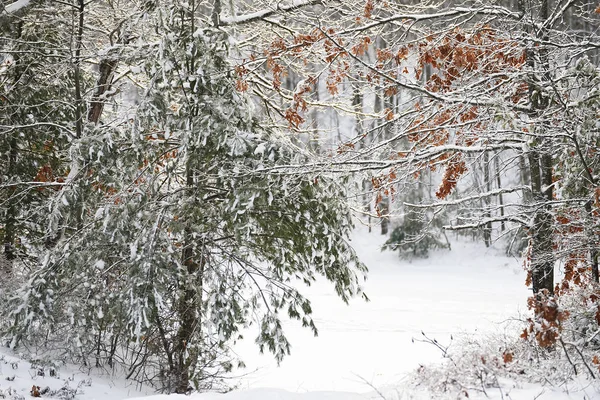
(35,126)
(173,233)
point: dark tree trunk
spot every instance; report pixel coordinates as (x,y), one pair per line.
(106,70)
(10,220)
(188,309)
(540,165)
(592,243)
(186,347)
(357,107)
(77,70)
(500,197)
(487,228)
(10,229)
(384,207)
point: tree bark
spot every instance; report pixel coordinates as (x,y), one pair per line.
(540,164)
(185,348)
(10,222)
(500,196)
(106,69)
(189,308)
(77,70)
(11,217)
(487,181)
(592,243)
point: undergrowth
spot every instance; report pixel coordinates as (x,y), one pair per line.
(557,344)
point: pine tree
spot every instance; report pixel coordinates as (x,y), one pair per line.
(36,118)
(188,223)
(420,229)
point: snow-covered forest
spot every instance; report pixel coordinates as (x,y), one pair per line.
(176,176)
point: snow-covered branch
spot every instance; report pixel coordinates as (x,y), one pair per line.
(454,12)
(467,199)
(268,12)
(16,6)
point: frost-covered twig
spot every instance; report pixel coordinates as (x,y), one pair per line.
(434,342)
(567,354)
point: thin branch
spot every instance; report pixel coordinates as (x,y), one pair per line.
(261,15)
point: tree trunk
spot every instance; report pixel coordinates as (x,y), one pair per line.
(540,164)
(592,243)
(381,103)
(487,228)
(77,70)
(188,309)
(11,213)
(500,197)
(185,348)
(106,69)
(10,221)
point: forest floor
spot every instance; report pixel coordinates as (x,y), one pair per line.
(365,350)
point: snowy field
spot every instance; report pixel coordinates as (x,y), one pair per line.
(469,289)
(360,347)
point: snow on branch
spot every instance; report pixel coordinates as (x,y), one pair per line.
(448,98)
(454,12)
(16,6)
(462,200)
(253,17)
(485,221)
(37,184)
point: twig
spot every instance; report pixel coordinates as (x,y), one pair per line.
(585,362)
(541,393)
(592,337)
(567,354)
(434,342)
(376,390)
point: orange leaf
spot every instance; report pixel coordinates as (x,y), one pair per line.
(369,9)
(383,55)
(293,118)
(361,48)
(402,54)
(389,114)
(241,85)
(35,391)
(454,170)
(390,91)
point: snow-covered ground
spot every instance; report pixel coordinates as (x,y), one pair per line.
(361,346)
(20,378)
(468,289)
